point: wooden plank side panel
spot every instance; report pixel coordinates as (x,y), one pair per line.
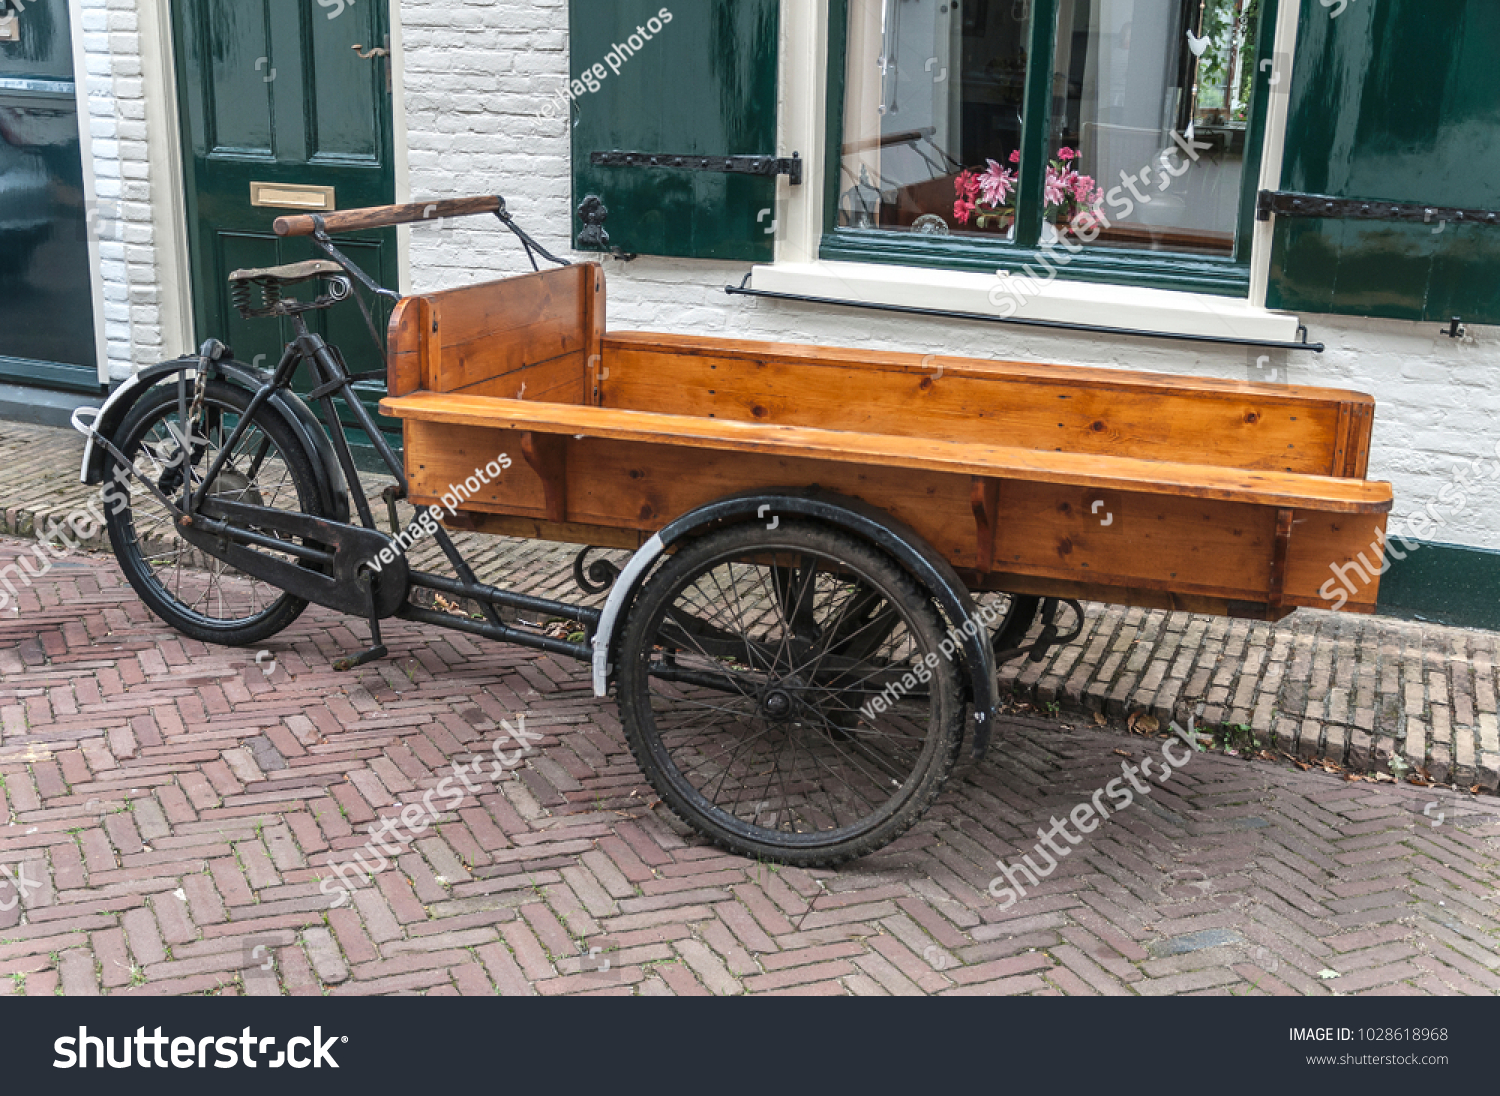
(1118,538)
(560,380)
(1194,549)
(1337,554)
(409,346)
(439,457)
(475,311)
(1364,427)
(594,316)
(1078,376)
(1253,427)
(489,330)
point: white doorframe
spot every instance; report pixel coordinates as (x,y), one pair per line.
(169,197)
(90,186)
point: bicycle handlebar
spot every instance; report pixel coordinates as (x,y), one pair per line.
(353,220)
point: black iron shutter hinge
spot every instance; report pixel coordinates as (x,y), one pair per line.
(1289,203)
(728,165)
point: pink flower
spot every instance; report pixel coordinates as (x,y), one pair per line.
(1058,186)
(962,211)
(996,184)
(1015,157)
(1066,154)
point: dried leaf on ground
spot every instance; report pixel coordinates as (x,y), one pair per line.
(1143,723)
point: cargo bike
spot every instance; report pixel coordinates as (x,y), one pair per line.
(831,549)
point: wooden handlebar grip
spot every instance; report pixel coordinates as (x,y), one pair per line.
(353,220)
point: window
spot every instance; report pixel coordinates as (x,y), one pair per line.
(970,133)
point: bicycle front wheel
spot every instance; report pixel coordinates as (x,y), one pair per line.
(200,596)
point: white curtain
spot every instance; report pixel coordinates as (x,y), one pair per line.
(1129,102)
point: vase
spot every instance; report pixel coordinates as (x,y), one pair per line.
(1050,235)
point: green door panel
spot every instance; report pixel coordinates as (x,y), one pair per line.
(46,293)
(273,92)
(705,84)
(1395,100)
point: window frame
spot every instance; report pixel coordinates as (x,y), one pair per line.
(1228,276)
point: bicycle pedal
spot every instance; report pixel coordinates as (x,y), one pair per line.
(344,665)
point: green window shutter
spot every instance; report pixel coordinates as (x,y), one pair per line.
(1393,100)
(704,84)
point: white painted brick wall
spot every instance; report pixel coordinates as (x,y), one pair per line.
(116,124)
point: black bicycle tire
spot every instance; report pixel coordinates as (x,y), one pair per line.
(634,698)
(282,612)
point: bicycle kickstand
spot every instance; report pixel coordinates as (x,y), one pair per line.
(377,648)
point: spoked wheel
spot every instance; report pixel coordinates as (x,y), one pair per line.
(785,692)
(200,596)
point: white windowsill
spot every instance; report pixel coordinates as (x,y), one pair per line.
(1099,304)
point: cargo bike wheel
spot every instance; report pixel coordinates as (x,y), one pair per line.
(786,693)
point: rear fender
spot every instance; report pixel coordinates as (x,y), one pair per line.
(334,494)
(920,560)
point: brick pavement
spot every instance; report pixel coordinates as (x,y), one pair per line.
(169,809)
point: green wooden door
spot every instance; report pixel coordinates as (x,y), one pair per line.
(273,92)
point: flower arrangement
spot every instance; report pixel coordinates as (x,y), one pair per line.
(988,197)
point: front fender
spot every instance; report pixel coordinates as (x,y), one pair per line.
(333,492)
(898,540)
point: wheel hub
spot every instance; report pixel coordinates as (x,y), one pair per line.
(776,705)
(236,487)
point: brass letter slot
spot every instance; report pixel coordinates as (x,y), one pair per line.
(317,199)
(10,27)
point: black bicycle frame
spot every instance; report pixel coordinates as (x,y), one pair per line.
(331,377)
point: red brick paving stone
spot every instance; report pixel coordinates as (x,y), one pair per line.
(548,929)
(76,969)
(144,936)
(1000,968)
(1002,987)
(352,939)
(326,958)
(797,976)
(528,952)
(1262,982)
(43,983)
(707,967)
(765,912)
(204,903)
(416,980)
(1090,972)
(114,958)
(379,921)
(510,980)
(739,961)
(817,989)
(398,893)
(682,980)
(910,966)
